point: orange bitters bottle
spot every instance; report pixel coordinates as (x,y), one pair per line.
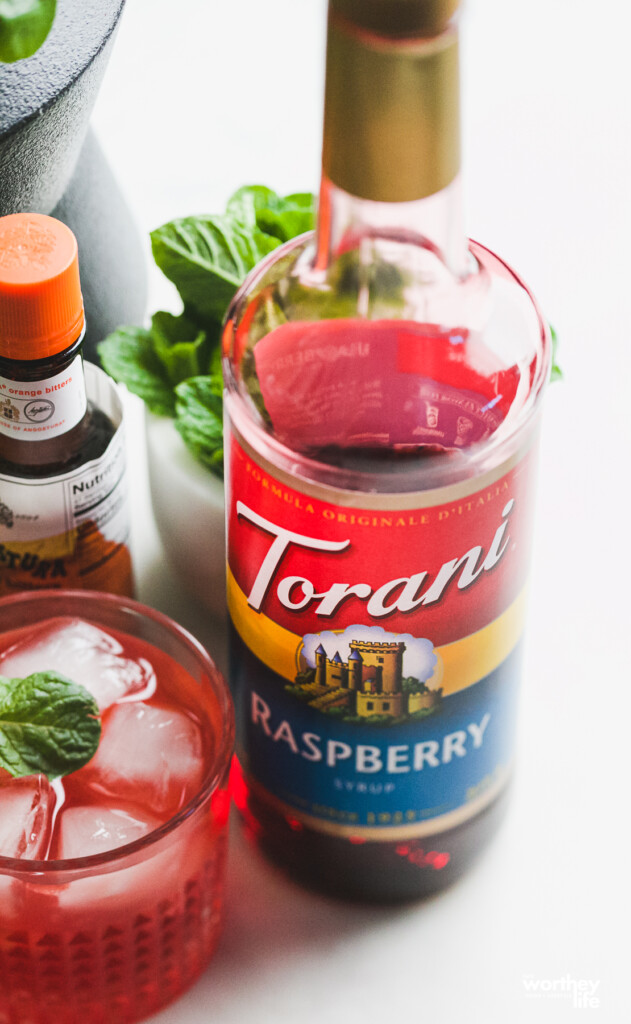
(63,498)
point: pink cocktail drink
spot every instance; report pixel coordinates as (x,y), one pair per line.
(111,878)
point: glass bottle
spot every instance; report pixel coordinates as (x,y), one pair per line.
(63,501)
(383,384)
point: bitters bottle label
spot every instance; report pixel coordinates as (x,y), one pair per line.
(71,530)
(37,410)
(376,645)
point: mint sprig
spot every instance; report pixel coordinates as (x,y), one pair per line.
(174,365)
(48,725)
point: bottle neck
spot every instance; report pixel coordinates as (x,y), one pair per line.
(434,223)
(391,152)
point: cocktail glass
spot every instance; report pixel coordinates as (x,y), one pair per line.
(114,936)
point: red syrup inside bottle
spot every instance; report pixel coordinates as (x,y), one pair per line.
(352,868)
(375,388)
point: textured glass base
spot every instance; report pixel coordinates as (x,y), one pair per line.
(116,970)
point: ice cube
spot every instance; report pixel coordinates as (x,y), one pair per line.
(148,755)
(26,808)
(83,653)
(138,885)
(85,831)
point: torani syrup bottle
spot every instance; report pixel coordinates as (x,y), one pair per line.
(63,497)
(383,385)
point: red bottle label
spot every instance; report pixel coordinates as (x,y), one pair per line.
(377,643)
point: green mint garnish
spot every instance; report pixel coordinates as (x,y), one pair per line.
(5,685)
(199,420)
(24,25)
(48,724)
(556,373)
(175,365)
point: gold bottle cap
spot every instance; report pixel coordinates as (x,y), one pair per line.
(391,118)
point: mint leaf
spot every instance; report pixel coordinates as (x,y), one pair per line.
(128,356)
(292,216)
(216,371)
(48,724)
(247,201)
(556,373)
(207,258)
(282,217)
(182,348)
(199,420)
(24,25)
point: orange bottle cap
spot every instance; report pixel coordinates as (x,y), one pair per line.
(41,308)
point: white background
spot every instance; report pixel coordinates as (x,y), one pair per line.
(202,96)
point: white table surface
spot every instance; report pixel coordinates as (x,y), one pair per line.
(203,96)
